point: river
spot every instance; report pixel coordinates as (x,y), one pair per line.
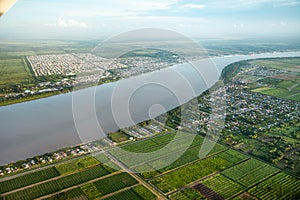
(44,125)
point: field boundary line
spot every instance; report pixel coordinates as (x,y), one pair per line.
(48,180)
(79,185)
(184,165)
(118,191)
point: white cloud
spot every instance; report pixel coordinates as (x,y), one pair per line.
(70,23)
(283,23)
(238,25)
(192,6)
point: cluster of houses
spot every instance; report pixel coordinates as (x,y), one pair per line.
(70,64)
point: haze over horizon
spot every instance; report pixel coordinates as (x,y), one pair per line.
(88,19)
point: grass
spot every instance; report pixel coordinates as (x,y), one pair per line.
(289,64)
(195,171)
(28,179)
(281,186)
(13,72)
(223,186)
(249,172)
(118,137)
(77,165)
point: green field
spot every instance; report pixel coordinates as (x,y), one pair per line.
(138,192)
(195,171)
(290,64)
(28,179)
(276,92)
(118,137)
(249,172)
(64,182)
(187,194)
(103,187)
(280,186)
(114,183)
(14,71)
(223,186)
(77,165)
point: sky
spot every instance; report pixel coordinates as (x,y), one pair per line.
(95,19)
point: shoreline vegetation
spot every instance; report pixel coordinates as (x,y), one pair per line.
(226,74)
(251,160)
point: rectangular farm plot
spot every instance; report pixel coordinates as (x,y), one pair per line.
(61,183)
(249,172)
(114,183)
(195,171)
(76,165)
(179,144)
(223,186)
(99,188)
(138,192)
(187,194)
(280,186)
(28,179)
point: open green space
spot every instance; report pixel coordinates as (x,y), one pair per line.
(289,64)
(28,179)
(281,186)
(276,92)
(77,165)
(118,136)
(223,186)
(249,172)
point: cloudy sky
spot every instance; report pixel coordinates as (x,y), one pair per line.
(92,19)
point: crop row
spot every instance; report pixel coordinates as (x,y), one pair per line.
(280,186)
(249,172)
(59,184)
(136,193)
(223,186)
(28,179)
(99,188)
(189,173)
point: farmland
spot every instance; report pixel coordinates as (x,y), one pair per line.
(195,171)
(284,83)
(249,172)
(28,179)
(257,155)
(223,173)
(280,186)
(76,165)
(223,186)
